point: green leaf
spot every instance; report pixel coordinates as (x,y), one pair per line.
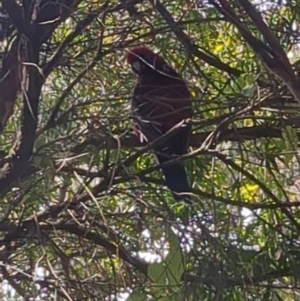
(47,162)
(290,137)
(157,273)
(174,260)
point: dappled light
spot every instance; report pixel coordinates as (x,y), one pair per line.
(88,212)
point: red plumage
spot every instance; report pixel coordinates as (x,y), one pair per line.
(160,101)
(140,52)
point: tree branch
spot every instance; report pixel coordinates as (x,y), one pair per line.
(24,147)
(190,47)
(16,15)
(274,59)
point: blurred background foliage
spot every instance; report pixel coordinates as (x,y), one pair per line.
(84,214)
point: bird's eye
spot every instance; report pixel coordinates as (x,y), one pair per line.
(136,66)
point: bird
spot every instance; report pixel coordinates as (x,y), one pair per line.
(160,101)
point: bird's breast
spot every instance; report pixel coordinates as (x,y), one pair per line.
(167,105)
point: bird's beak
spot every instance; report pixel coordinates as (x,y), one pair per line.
(136,66)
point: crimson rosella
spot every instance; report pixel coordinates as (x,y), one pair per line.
(160,101)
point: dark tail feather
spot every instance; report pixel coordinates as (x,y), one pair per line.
(176,180)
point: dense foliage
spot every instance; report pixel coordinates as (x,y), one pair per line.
(84,214)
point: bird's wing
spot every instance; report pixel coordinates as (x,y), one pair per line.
(157,107)
(147,127)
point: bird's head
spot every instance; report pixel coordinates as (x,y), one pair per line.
(143,60)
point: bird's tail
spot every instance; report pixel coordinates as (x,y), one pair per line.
(176,180)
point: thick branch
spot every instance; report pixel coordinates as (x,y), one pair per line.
(31,93)
(112,248)
(16,15)
(10,80)
(272,56)
(52,13)
(196,140)
(49,15)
